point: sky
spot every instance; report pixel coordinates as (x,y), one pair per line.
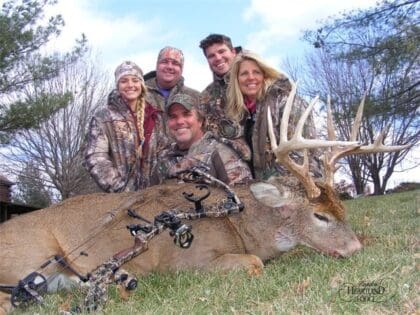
(136,30)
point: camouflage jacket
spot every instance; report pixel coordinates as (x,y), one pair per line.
(155,97)
(217,157)
(212,105)
(111,149)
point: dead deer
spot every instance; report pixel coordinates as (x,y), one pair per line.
(87,230)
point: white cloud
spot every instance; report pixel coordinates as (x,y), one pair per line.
(114,38)
(196,71)
(282,22)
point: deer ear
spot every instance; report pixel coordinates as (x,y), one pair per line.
(268,195)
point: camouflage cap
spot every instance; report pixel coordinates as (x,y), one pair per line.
(169,52)
(128,68)
(185,100)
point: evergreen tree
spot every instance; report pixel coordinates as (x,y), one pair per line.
(22,64)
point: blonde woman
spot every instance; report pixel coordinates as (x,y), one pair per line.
(253,87)
(123,136)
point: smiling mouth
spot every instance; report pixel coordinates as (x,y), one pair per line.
(181,130)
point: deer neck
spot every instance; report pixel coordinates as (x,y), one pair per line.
(265,231)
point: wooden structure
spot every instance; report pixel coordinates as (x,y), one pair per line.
(7,208)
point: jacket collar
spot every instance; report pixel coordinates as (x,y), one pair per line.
(151,82)
(115,101)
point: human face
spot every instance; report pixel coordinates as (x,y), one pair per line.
(250,79)
(129,87)
(168,72)
(220,57)
(184,126)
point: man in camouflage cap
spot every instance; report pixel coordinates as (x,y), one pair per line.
(167,81)
(195,147)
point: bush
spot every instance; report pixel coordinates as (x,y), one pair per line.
(407,186)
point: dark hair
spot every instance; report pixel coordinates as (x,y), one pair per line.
(215,39)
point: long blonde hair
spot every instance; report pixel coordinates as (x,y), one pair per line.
(235,108)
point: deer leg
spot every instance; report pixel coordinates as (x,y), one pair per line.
(227,262)
(5,304)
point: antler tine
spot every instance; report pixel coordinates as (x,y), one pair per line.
(336,153)
(377,146)
(271,135)
(330,125)
(358,120)
(304,117)
(286,113)
(330,167)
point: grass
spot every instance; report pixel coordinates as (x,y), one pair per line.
(299,282)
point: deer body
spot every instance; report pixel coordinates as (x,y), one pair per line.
(241,240)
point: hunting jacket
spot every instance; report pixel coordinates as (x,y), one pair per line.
(219,159)
(111,151)
(155,97)
(212,104)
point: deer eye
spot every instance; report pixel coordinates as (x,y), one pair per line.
(321,217)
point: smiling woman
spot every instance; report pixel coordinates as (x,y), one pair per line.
(122,138)
(255,87)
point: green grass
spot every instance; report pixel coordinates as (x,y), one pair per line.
(299,282)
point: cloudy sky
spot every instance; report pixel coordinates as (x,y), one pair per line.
(137,29)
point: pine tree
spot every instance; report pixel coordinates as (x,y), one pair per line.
(22,65)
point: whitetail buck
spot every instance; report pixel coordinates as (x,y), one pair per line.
(87,230)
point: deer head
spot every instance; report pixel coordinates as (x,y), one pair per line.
(324,204)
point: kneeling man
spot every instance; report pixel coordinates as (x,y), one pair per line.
(194,147)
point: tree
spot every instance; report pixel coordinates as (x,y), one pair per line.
(22,37)
(375,52)
(31,189)
(55,147)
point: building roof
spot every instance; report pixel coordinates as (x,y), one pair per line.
(5,181)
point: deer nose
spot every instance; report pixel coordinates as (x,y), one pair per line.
(353,246)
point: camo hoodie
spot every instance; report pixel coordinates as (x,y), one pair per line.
(112,143)
(208,152)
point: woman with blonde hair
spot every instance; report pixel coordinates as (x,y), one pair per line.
(253,87)
(123,137)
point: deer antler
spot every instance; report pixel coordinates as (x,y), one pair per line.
(297,142)
(338,150)
(336,153)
